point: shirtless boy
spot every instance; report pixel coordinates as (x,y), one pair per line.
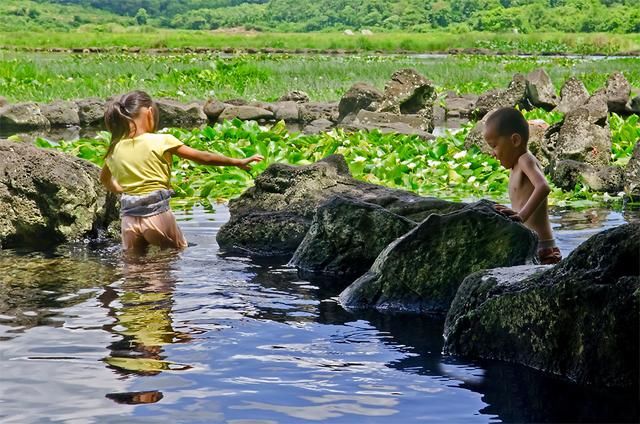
(507,132)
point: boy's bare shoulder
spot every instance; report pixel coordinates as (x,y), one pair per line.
(529,160)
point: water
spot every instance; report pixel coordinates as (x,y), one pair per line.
(87,335)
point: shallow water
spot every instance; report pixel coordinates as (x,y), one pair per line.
(87,335)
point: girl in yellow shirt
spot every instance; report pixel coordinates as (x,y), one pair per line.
(138,166)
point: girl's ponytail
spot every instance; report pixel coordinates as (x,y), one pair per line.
(120,113)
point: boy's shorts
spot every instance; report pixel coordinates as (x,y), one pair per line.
(548,252)
(159,230)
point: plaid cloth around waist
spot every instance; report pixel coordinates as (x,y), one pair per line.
(150,204)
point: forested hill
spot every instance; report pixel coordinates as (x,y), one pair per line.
(620,16)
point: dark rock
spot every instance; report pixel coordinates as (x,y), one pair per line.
(273,217)
(408,92)
(347,235)
(514,95)
(632,173)
(618,92)
(49,197)
(359,96)
(578,319)
(318,126)
(567,173)
(295,96)
(176,114)
(286,111)
(540,90)
(573,95)
(22,116)
(583,141)
(245,113)
(61,113)
(421,271)
(317,110)
(91,112)
(213,108)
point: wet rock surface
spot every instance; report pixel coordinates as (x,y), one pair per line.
(578,320)
(272,218)
(421,271)
(48,197)
(347,235)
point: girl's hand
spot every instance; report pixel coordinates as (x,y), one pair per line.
(244,163)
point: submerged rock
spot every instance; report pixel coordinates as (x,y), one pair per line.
(48,197)
(347,235)
(421,271)
(573,95)
(23,116)
(273,217)
(578,319)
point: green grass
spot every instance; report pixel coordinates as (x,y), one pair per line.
(45,77)
(119,36)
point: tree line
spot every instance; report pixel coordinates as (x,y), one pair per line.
(618,16)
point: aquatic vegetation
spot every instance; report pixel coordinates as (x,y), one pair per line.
(441,167)
(43,77)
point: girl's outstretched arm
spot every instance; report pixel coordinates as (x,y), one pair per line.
(207,158)
(109,182)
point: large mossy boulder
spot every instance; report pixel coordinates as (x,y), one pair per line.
(347,235)
(48,197)
(272,218)
(421,271)
(579,319)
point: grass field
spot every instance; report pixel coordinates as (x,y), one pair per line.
(46,76)
(118,36)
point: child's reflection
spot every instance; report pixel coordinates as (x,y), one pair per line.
(141,306)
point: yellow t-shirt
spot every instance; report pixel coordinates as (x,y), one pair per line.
(143,164)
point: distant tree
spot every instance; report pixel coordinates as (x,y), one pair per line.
(142,16)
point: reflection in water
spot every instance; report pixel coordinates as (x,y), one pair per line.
(102,337)
(134,398)
(141,305)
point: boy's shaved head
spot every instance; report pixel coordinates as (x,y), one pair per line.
(507,121)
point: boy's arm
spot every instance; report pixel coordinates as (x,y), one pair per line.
(541,188)
(207,158)
(108,181)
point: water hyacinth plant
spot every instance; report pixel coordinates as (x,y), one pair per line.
(441,167)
